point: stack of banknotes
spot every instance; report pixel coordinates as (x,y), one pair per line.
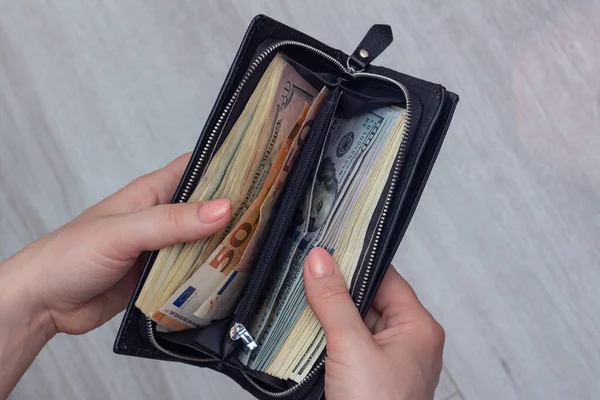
(193,284)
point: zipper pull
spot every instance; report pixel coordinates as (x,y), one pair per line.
(238,331)
(373,44)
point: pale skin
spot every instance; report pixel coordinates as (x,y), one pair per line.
(78,277)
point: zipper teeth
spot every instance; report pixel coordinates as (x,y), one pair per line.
(399,161)
(188,189)
(169,352)
(293,389)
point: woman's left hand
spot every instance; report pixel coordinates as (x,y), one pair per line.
(79,276)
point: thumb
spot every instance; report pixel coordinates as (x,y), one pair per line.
(163,225)
(329,298)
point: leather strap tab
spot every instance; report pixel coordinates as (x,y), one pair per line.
(373,44)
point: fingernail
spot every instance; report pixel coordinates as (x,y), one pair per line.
(214,210)
(320,263)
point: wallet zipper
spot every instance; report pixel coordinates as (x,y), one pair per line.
(240,331)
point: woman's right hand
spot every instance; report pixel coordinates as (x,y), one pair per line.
(396,353)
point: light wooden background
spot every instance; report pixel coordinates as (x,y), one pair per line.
(504,247)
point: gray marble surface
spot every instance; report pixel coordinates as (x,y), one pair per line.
(503,248)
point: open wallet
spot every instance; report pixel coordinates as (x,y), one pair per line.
(313,148)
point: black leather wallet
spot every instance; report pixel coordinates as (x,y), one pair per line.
(429,111)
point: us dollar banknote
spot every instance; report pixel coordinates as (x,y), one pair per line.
(305,340)
(348,142)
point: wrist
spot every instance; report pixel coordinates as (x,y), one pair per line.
(20,305)
(25,325)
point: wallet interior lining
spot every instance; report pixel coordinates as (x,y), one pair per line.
(358,96)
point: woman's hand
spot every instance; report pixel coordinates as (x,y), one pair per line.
(396,353)
(79,276)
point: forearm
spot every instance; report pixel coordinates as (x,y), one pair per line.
(25,327)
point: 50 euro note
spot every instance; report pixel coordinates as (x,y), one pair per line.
(220,303)
(237,171)
(222,269)
(285,97)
